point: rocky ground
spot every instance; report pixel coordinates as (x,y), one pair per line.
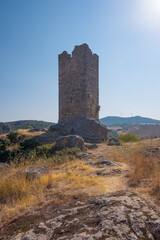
(118,214)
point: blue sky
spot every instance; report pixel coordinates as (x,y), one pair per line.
(125,34)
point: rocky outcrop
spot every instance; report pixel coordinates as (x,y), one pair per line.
(47,138)
(91,146)
(114,142)
(151,152)
(69,142)
(35,172)
(90,130)
(121,216)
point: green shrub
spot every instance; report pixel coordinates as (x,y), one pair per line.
(129,137)
(45,150)
(21,138)
(68,153)
(5,156)
(15,153)
(48,150)
(13,137)
(29,144)
(2,145)
(73,151)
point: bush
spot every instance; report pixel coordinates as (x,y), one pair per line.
(73,151)
(45,150)
(5,156)
(49,150)
(129,137)
(15,154)
(21,138)
(66,154)
(13,137)
(2,145)
(29,144)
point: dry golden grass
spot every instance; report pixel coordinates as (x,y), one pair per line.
(145,170)
(27,133)
(19,195)
(24,132)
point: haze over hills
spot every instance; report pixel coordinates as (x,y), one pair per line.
(120,121)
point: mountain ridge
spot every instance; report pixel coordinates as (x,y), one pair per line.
(111,121)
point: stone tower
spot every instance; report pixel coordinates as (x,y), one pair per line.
(79,96)
(78,84)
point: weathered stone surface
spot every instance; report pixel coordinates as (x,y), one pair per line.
(69,142)
(121,216)
(90,130)
(101,163)
(79,96)
(49,137)
(110,171)
(151,152)
(35,172)
(91,146)
(114,142)
(85,156)
(78,84)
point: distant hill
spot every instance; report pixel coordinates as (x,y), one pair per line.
(143,131)
(25,124)
(121,121)
(4,128)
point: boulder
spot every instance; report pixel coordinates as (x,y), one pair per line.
(46,138)
(91,130)
(114,142)
(91,146)
(85,155)
(35,172)
(69,142)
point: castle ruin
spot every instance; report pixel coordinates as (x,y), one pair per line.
(79,96)
(78,84)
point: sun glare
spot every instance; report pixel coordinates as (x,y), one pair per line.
(149,12)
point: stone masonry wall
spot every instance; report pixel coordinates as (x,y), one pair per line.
(78,84)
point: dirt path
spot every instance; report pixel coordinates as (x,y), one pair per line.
(116,215)
(113,175)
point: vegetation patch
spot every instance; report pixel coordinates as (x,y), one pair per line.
(144,176)
(128,137)
(28,124)
(19,195)
(13,137)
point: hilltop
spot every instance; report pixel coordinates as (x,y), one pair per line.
(120,121)
(25,124)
